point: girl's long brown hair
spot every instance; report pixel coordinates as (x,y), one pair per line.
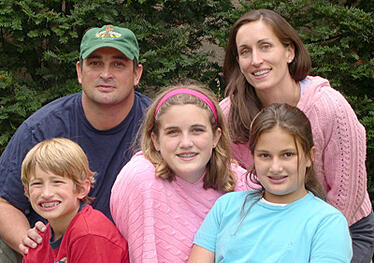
(297,124)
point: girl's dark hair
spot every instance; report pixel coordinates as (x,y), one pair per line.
(244,101)
(297,124)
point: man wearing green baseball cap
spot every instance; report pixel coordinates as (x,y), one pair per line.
(103,119)
(108,70)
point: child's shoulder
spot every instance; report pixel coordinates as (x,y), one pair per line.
(322,206)
(138,166)
(43,250)
(136,176)
(91,233)
(233,198)
(92,222)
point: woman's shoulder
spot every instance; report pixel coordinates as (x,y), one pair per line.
(321,102)
(319,89)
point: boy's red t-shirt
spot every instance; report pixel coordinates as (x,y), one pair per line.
(90,237)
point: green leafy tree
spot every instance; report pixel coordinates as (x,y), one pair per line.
(39,46)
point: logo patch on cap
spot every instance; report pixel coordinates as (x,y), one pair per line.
(108,33)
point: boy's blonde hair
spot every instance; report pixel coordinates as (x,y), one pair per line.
(59,156)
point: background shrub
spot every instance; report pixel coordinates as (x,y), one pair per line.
(39,45)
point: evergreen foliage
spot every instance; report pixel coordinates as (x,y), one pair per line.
(39,46)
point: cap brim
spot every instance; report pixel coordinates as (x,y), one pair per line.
(124,51)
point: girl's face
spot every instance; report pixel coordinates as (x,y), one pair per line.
(280,169)
(186,140)
(262,58)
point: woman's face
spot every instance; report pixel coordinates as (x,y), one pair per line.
(186,140)
(280,166)
(262,58)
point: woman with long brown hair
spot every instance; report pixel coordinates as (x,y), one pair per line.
(266,62)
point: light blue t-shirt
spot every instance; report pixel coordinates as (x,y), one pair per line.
(307,230)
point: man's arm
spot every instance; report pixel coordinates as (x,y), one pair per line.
(13,225)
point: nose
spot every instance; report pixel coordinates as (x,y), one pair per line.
(186,141)
(106,73)
(46,191)
(276,166)
(256,57)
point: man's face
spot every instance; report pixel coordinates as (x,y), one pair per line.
(108,78)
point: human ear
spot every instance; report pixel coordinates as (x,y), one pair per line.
(290,53)
(155,141)
(83,188)
(311,156)
(217,136)
(27,193)
(79,72)
(138,73)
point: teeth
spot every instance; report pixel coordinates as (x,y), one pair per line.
(47,205)
(258,73)
(277,177)
(187,155)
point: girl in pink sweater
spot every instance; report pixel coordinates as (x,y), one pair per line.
(162,195)
(266,62)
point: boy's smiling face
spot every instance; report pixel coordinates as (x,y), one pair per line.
(54,197)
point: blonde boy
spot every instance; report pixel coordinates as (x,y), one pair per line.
(57,179)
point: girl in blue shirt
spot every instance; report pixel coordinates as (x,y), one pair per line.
(287,219)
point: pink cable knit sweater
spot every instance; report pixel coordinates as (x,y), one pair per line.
(341,147)
(159,218)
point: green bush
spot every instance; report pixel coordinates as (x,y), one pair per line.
(39,45)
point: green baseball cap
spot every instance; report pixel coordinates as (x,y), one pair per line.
(116,37)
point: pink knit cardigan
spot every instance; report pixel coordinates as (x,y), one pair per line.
(159,218)
(341,147)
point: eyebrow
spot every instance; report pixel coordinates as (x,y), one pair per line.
(263,40)
(282,151)
(171,127)
(93,56)
(193,125)
(198,125)
(33,178)
(258,42)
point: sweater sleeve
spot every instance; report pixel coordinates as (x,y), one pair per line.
(130,211)
(332,241)
(341,152)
